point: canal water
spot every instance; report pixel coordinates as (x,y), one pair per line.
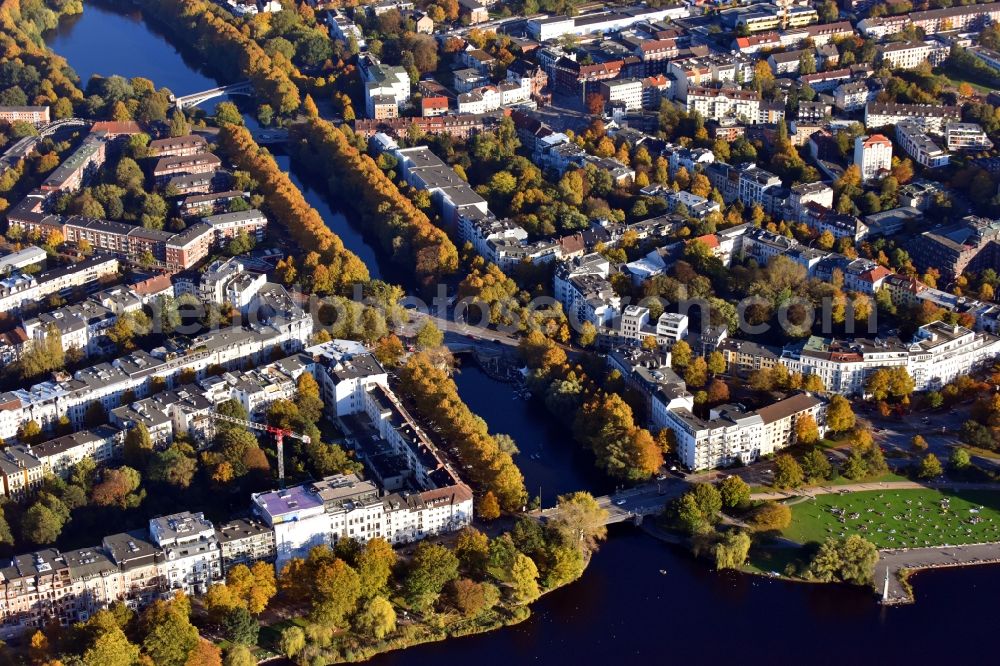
(624,610)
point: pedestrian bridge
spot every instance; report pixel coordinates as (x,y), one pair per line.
(194,99)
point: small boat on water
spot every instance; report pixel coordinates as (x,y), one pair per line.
(663,572)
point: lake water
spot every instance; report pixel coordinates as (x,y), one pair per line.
(623,610)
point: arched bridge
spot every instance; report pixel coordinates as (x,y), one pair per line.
(194,99)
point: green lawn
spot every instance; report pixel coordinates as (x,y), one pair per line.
(900,518)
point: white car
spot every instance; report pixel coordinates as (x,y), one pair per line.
(619,502)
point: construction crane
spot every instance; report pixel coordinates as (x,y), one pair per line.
(279,437)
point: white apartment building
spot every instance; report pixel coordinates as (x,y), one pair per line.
(851,96)
(930,117)
(754,183)
(582,287)
(966,136)
(383,82)
(918,144)
(427,498)
(910,55)
(733,435)
(938,354)
(624,91)
(192,557)
(720,103)
(345,370)
(873,156)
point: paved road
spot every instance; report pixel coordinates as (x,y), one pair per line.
(878,485)
(939,428)
(892,561)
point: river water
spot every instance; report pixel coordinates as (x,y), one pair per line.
(623,611)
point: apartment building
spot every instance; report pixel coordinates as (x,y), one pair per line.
(36,115)
(627,92)
(192,559)
(553,27)
(385,86)
(178,146)
(966,136)
(918,144)
(229,225)
(185,164)
(419,495)
(720,103)
(964,18)
(910,55)
(244,541)
(971,244)
(938,354)
(873,157)
(851,96)
(734,435)
(79,167)
(424,170)
(929,117)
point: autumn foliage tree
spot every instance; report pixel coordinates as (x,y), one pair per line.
(342,269)
(402,229)
(435,395)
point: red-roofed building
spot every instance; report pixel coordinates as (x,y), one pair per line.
(117,128)
(433,106)
(152,287)
(757,43)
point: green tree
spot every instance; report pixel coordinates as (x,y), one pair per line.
(239,626)
(429,336)
(292,641)
(959,460)
(473,551)
(226,113)
(930,467)
(169,635)
(731,552)
(815,466)
(850,560)
(523,579)
(431,568)
(708,499)
(239,655)
(580,520)
(787,472)
(43,522)
(375,563)
(689,515)
(735,492)
(377,619)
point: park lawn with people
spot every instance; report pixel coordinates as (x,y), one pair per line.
(900,518)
